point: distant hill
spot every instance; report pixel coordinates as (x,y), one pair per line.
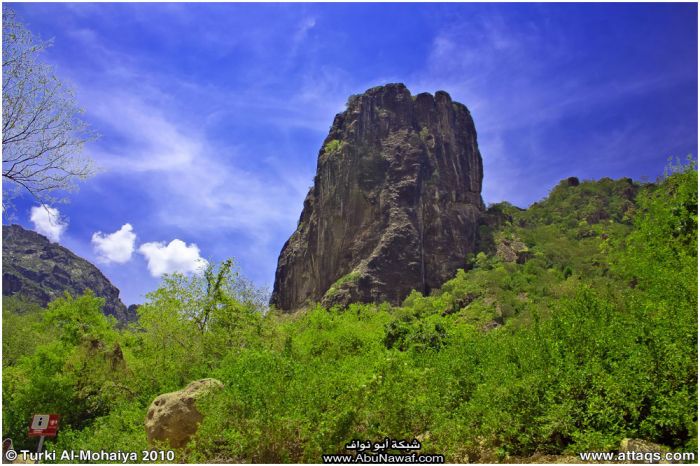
(37,269)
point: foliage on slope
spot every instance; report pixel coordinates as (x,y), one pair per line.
(575,327)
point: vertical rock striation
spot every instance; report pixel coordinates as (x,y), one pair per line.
(394,206)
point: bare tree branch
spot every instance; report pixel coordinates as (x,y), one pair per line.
(42,133)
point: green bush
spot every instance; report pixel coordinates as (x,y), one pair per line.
(591,340)
(347,278)
(333,146)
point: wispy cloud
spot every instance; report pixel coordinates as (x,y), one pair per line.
(299,37)
(173,136)
(517,79)
(199,186)
(149,141)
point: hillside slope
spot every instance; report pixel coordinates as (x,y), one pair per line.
(573,328)
(41,271)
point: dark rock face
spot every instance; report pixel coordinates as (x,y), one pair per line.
(133,311)
(41,271)
(394,206)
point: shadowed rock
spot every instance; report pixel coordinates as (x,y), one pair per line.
(394,206)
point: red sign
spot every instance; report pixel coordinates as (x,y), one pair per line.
(44,425)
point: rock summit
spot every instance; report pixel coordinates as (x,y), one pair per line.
(394,206)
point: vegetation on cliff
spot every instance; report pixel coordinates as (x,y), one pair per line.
(574,327)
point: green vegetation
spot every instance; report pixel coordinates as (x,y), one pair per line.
(588,337)
(424,133)
(350,277)
(333,146)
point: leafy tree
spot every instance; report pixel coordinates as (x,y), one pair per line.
(42,132)
(77,368)
(190,322)
(592,339)
(22,329)
(660,255)
(79,320)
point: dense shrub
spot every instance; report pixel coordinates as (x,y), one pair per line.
(592,338)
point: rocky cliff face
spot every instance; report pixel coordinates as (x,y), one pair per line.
(39,270)
(394,206)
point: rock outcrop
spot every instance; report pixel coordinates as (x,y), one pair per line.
(173,417)
(394,206)
(37,269)
(511,249)
(641,446)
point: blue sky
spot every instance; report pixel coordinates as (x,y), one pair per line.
(211,115)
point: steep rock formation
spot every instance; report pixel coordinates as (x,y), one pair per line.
(394,206)
(39,270)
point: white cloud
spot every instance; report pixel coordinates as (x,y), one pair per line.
(175,257)
(115,247)
(47,221)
